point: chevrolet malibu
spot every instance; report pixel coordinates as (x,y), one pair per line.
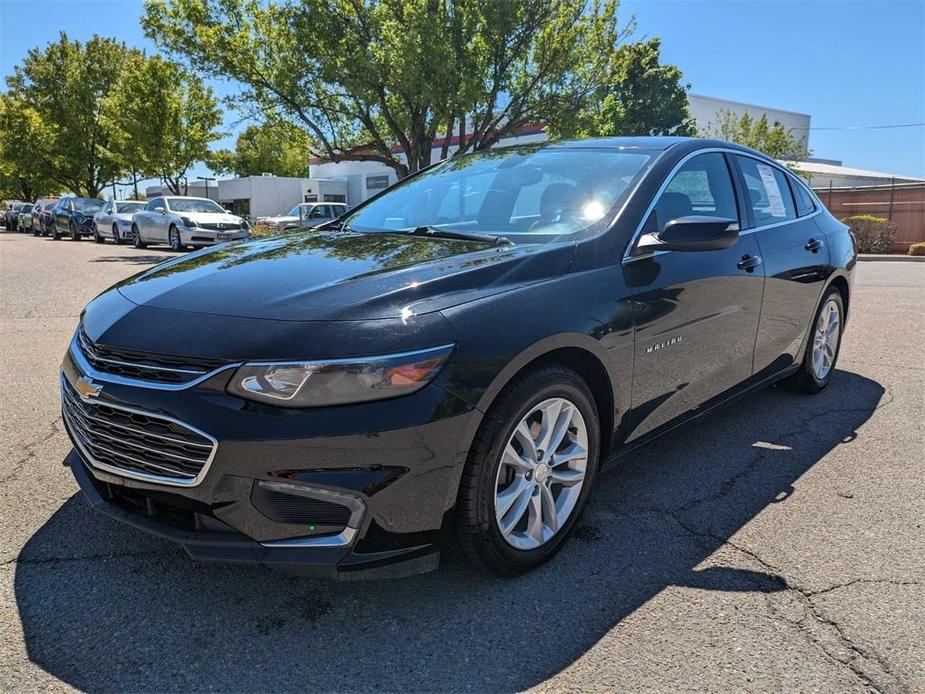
(454,358)
(185,221)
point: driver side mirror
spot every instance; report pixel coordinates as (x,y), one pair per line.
(692,233)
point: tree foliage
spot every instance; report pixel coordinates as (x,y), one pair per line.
(20,130)
(365,78)
(774,140)
(165,119)
(277,147)
(79,116)
(60,94)
(640,96)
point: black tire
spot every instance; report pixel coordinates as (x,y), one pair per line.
(115,235)
(54,232)
(805,379)
(36,230)
(474,518)
(72,230)
(176,242)
(96,235)
(136,238)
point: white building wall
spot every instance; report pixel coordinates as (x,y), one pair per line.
(705,110)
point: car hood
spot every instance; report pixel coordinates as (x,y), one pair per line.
(278,219)
(210,217)
(341,276)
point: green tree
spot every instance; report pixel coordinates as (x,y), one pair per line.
(363,78)
(20,132)
(640,96)
(277,147)
(66,87)
(165,119)
(774,140)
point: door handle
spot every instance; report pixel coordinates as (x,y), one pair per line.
(813,245)
(749,262)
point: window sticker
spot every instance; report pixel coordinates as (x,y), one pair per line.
(775,199)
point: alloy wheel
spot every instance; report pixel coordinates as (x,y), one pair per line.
(825,339)
(175,243)
(541,474)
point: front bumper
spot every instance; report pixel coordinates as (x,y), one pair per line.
(195,236)
(395,464)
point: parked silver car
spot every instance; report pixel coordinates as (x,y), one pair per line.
(185,221)
(114,221)
(308,214)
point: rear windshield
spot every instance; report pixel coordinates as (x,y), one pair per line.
(531,195)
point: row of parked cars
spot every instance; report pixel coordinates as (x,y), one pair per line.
(178,221)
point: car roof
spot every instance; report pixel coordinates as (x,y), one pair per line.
(654,142)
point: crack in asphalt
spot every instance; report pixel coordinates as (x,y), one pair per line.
(867,667)
(30,450)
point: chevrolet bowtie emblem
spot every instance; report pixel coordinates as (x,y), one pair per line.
(87,388)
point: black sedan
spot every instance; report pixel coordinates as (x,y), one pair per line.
(461,352)
(74,217)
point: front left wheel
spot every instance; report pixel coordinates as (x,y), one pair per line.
(72,230)
(529,472)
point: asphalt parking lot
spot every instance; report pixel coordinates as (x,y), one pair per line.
(778,545)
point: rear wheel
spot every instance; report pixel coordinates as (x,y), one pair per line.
(529,471)
(136,238)
(822,346)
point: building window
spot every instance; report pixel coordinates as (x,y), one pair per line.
(377,182)
(311,198)
(334,198)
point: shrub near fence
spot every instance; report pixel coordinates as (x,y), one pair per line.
(874,234)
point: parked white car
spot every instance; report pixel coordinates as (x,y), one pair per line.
(185,221)
(308,214)
(114,221)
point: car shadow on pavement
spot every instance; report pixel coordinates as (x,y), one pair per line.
(132,259)
(105,607)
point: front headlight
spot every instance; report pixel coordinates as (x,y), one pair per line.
(338,381)
(187,222)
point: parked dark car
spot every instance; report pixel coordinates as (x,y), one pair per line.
(74,217)
(11,215)
(42,219)
(461,352)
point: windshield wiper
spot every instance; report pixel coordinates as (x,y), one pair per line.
(438,233)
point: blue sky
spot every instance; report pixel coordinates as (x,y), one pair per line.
(847,63)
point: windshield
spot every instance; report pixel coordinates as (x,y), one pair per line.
(194,205)
(529,195)
(294,212)
(124,207)
(87,205)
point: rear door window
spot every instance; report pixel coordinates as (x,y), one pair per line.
(767,191)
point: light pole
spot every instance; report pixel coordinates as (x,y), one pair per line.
(206,179)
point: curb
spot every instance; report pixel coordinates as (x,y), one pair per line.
(891,258)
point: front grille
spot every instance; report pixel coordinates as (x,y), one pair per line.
(147,367)
(219,226)
(134,442)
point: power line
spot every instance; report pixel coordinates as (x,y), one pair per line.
(862,127)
